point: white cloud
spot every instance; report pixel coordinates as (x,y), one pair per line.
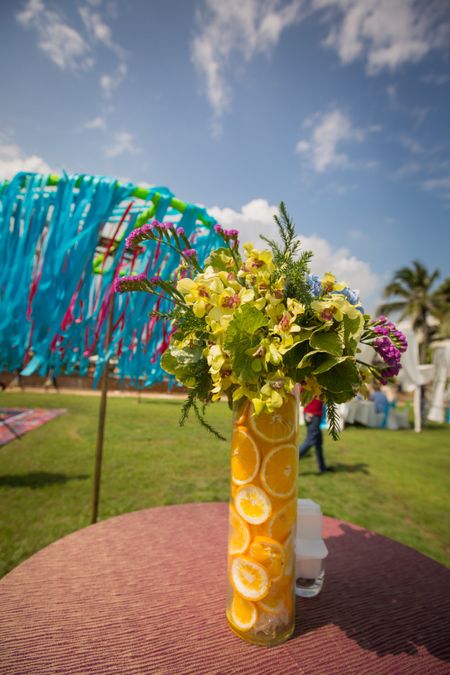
(96,123)
(439,79)
(256,217)
(109,83)
(406,169)
(391,91)
(385,33)
(329,133)
(95,25)
(441,185)
(13,160)
(411,144)
(66,46)
(63,44)
(100,31)
(242,28)
(123,142)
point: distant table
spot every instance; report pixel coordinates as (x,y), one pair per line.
(363,412)
(145,593)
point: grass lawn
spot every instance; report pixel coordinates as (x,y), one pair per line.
(393,482)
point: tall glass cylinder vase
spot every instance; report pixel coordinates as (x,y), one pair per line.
(262,520)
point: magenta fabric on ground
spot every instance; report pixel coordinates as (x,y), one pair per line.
(15,422)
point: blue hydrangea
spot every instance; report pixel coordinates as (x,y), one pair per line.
(352,296)
(315,285)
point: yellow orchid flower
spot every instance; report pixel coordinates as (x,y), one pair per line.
(311,384)
(329,283)
(334,307)
(195,294)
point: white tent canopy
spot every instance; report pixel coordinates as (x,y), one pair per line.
(441,363)
(413,375)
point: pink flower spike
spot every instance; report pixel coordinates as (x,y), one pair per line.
(218,229)
(131,240)
(231,234)
(116,286)
(180,231)
(189,253)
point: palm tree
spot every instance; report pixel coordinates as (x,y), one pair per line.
(411,290)
(442,301)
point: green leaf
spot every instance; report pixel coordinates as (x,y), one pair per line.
(187,357)
(242,341)
(186,365)
(327,363)
(326,342)
(305,334)
(306,360)
(169,363)
(256,365)
(352,332)
(341,378)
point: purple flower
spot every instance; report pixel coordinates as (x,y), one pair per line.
(180,231)
(116,286)
(189,253)
(381,330)
(218,229)
(231,234)
(164,227)
(133,238)
(137,277)
(155,280)
(136,282)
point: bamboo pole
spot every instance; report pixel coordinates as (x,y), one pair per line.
(102,416)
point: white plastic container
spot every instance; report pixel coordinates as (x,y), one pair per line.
(310,549)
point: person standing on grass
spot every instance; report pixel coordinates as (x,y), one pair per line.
(313,416)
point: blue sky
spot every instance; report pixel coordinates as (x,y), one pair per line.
(339,107)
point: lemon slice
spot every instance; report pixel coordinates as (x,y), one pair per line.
(269,553)
(249,578)
(253,504)
(276,426)
(279,471)
(239,536)
(283,520)
(245,457)
(243,613)
(273,603)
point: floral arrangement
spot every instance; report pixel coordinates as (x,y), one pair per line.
(255,325)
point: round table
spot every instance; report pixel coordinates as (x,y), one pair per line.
(145,593)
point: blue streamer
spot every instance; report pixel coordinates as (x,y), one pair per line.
(53,307)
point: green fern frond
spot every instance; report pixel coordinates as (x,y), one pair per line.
(334,426)
(191,404)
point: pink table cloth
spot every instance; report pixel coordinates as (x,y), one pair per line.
(145,593)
